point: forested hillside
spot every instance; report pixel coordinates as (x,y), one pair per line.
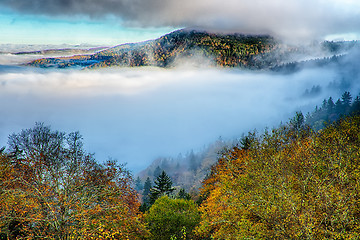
(291,182)
(288,183)
(202,48)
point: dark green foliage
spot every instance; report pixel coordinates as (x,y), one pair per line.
(346,99)
(183,195)
(138,184)
(146,195)
(246,140)
(162,186)
(330,112)
(147,186)
(355,108)
(297,123)
(12,230)
(157,172)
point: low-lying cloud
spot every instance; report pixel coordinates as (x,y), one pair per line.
(137,114)
(290,19)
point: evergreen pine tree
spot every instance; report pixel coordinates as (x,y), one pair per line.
(138,184)
(245,141)
(146,195)
(147,187)
(355,107)
(157,172)
(346,99)
(297,122)
(330,105)
(163,186)
(183,194)
(339,107)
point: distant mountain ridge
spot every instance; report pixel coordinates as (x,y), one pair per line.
(66,51)
(223,50)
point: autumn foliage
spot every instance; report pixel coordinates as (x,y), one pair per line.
(287,184)
(51,189)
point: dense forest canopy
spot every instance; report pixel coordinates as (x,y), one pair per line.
(289,183)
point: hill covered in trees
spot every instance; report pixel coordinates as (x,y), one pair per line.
(201,48)
(290,182)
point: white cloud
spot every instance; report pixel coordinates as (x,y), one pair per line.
(137,114)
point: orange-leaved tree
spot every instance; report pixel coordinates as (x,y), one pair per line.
(59,191)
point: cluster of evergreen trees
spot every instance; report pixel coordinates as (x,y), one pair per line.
(331,111)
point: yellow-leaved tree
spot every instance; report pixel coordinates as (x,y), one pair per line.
(291,183)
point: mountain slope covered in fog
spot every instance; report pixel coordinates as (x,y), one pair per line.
(200,48)
(188,171)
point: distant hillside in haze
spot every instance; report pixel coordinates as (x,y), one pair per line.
(199,48)
(222,50)
(63,51)
(188,171)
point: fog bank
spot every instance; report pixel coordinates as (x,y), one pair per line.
(137,114)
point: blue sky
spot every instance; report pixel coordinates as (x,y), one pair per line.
(18,28)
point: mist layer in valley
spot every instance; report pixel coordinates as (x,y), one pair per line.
(135,115)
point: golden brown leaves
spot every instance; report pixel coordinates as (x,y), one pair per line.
(288,185)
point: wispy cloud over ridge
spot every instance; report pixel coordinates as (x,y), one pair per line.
(284,18)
